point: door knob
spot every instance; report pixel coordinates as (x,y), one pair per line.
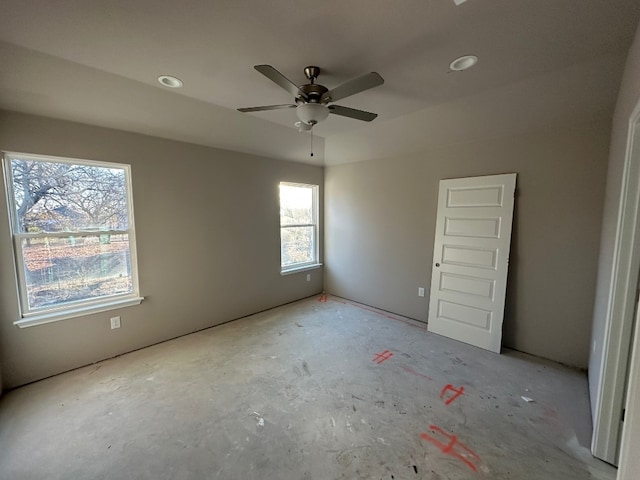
(437,264)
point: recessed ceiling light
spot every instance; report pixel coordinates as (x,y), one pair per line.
(463,63)
(169,81)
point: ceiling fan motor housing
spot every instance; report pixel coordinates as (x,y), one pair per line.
(313,92)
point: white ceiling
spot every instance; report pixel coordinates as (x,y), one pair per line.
(97,62)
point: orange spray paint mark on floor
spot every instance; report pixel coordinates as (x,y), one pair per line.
(413,372)
(382,357)
(453,447)
(450,388)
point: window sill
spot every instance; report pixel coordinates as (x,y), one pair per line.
(303,268)
(41,319)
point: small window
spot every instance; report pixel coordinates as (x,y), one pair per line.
(298,226)
(73,235)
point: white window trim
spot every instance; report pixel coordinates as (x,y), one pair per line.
(104,305)
(302,268)
(315,263)
(73,309)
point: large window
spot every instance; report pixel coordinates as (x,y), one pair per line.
(298,226)
(73,236)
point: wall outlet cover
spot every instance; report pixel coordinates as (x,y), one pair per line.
(115,322)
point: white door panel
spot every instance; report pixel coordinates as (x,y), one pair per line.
(490,196)
(472,227)
(469,256)
(470,259)
(465,284)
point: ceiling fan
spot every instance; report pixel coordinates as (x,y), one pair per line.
(313,102)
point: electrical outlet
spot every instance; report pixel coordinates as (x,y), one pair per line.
(115,322)
(421,291)
(308,277)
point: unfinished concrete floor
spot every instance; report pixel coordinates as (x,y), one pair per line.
(318,389)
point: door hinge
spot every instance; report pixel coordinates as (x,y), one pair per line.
(624,410)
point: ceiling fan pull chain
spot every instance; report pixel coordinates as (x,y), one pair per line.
(311,132)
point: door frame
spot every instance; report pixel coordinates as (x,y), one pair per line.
(621,304)
(630,445)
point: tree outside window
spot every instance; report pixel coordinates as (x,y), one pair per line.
(72,224)
(298,225)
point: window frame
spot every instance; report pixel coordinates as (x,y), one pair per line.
(315,262)
(29,316)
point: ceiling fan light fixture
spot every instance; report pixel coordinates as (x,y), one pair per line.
(303,127)
(170,81)
(463,63)
(312,113)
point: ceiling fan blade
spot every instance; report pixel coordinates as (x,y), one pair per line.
(357,85)
(266,107)
(279,79)
(352,113)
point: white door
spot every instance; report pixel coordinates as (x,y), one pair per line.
(471,259)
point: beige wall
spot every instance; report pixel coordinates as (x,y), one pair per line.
(207,235)
(380,218)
